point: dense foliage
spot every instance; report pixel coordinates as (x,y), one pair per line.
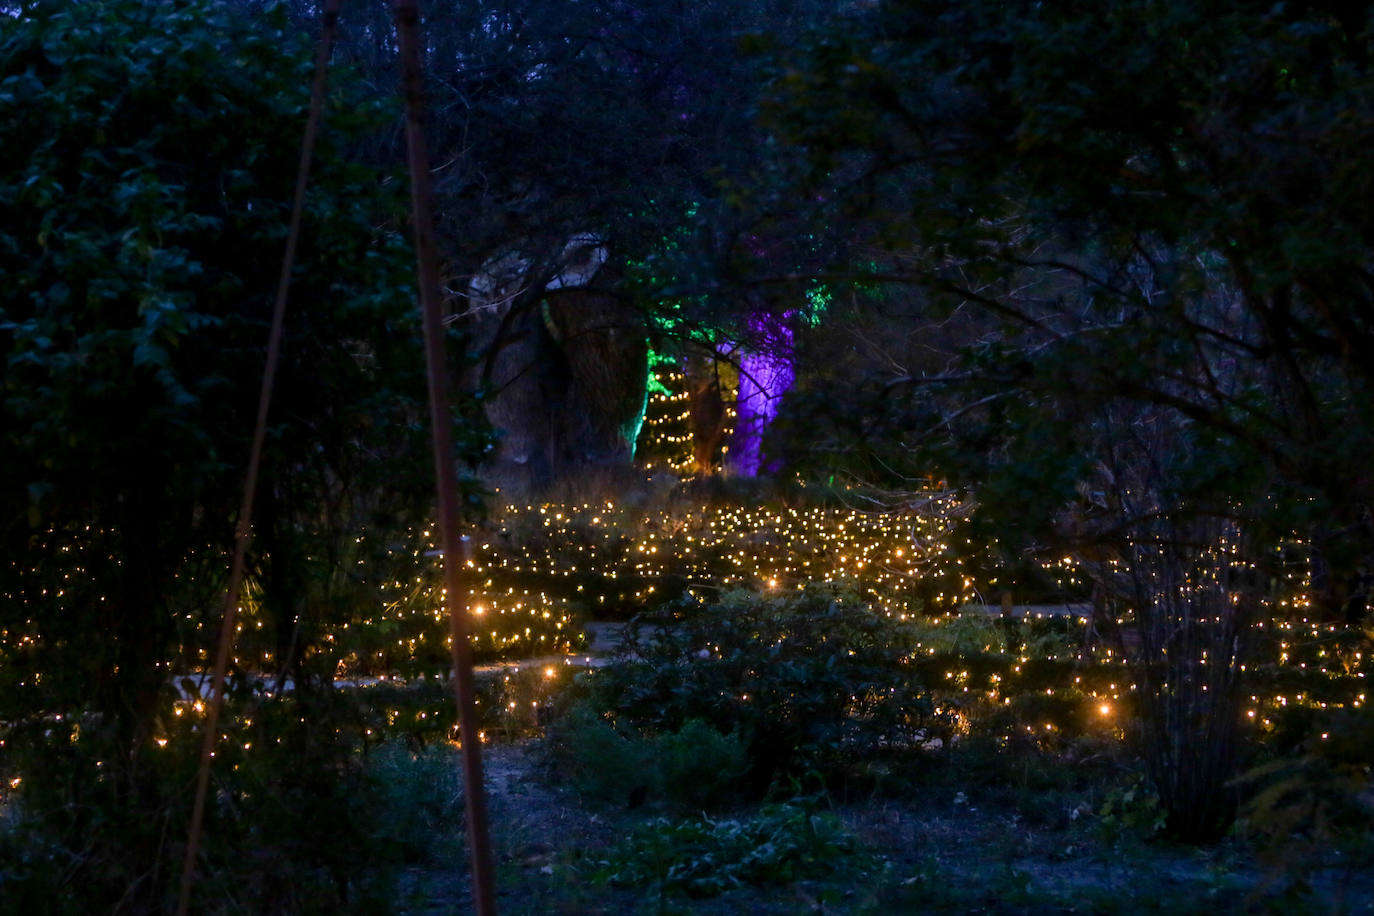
(1136,226)
(146,170)
(1154,207)
(810,681)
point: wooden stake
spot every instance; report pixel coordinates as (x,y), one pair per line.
(446,478)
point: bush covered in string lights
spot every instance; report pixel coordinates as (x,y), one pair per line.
(613,559)
(538,572)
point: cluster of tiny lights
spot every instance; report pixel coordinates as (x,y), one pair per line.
(666,438)
(610,555)
(537,571)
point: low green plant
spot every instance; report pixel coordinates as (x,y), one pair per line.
(700,857)
(601,763)
(1310,813)
(1132,811)
(700,768)
(416,797)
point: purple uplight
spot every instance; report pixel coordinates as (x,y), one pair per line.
(765,374)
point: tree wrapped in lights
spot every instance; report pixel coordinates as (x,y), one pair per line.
(679,431)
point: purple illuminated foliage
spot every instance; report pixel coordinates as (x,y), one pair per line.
(765,374)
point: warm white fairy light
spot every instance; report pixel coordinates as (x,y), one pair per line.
(542,568)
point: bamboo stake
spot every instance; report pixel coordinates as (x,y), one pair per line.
(446,479)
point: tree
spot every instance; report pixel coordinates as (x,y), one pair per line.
(146,165)
(1157,205)
(624,124)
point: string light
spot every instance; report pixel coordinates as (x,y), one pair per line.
(540,570)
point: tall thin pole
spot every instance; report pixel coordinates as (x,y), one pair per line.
(244,529)
(446,479)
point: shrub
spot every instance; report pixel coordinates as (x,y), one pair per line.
(1311,812)
(1134,810)
(812,680)
(699,767)
(696,767)
(597,760)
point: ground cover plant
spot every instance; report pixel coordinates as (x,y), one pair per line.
(778,844)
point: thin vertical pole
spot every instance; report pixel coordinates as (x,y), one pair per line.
(244,529)
(446,479)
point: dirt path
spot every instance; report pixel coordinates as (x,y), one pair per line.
(942,854)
